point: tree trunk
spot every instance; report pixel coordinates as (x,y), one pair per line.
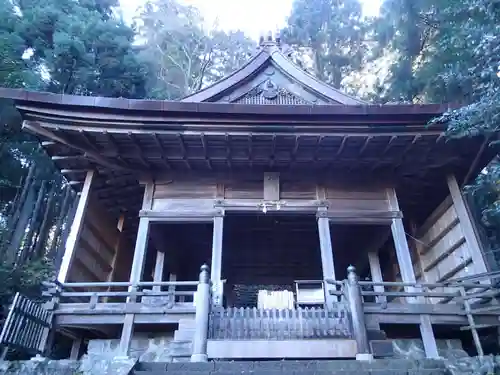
(20,229)
(11,234)
(34,225)
(63,211)
(62,244)
(43,233)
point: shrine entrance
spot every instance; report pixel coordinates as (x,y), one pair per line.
(265,254)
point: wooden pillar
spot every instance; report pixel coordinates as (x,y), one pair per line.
(117,247)
(171,288)
(376,273)
(408,274)
(216,266)
(201,320)
(76,348)
(325,243)
(137,268)
(355,300)
(158,273)
(76,228)
(467,226)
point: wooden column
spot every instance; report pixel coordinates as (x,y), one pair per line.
(355,300)
(216,266)
(408,274)
(171,288)
(117,247)
(466,224)
(76,348)
(376,273)
(201,320)
(325,243)
(137,267)
(76,228)
(158,273)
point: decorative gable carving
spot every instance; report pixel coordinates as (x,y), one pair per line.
(270,93)
(273,56)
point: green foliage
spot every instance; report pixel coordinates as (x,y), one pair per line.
(182,55)
(449,51)
(82,47)
(333,31)
(79,48)
(26,279)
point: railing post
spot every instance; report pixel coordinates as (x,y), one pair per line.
(201,319)
(355,301)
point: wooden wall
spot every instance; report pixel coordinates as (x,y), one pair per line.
(444,253)
(96,248)
(199,195)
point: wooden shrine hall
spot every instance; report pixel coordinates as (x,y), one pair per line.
(278,183)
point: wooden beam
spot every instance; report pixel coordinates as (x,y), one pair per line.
(342,145)
(182,145)
(466,224)
(228,156)
(325,241)
(36,128)
(205,150)
(271,186)
(400,243)
(408,274)
(376,273)
(117,249)
(216,264)
(389,144)
(158,271)
(162,150)
(138,147)
(137,267)
(365,145)
(76,228)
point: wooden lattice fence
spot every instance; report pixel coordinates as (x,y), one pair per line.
(27,327)
(301,323)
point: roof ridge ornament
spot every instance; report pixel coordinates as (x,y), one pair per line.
(272,42)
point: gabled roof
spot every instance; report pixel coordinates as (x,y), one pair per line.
(270,77)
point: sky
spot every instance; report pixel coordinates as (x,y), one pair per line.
(254,17)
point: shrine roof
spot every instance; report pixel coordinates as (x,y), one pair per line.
(268,115)
(270,77)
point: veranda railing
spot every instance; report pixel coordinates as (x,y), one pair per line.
(473,301)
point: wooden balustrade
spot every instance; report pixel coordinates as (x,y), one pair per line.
(467,303)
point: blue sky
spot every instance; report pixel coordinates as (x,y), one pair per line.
(254,17)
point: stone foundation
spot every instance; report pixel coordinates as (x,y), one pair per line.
(87,366)
(488,365)
(414,349)
(143,347)
(165,348)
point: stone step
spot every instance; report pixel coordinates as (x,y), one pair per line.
(184,335)
(180,348)
(186,323)
(301,372)
(305,372)
(306,367)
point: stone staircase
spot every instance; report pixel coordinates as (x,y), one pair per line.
(181,345)
(305,367)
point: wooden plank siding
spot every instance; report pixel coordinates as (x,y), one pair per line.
(444,251)
(200,195)
(95,249)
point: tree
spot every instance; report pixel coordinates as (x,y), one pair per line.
(78,47)
(449,51)
(334,33)
(182,54)
(61,46)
